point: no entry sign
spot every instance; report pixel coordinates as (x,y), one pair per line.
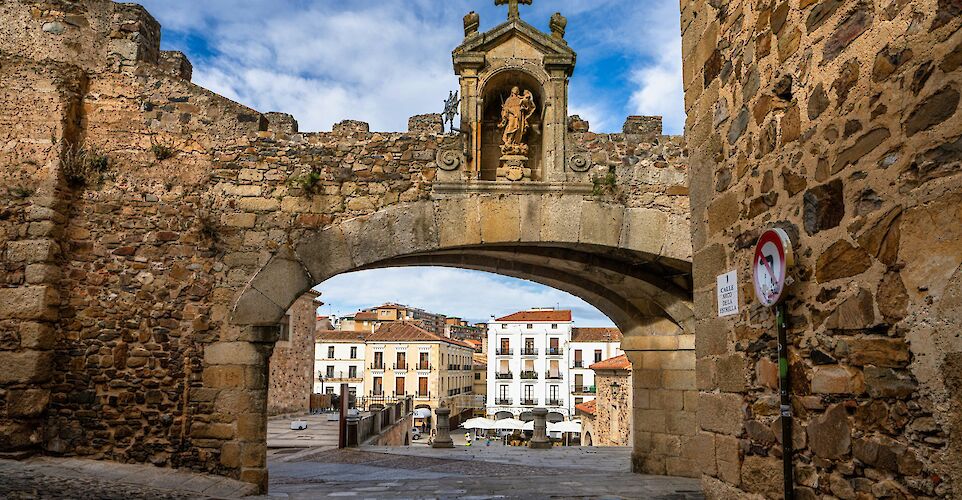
(773,257)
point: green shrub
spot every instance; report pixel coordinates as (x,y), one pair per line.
(82,166)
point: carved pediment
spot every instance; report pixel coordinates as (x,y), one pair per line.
(513,39)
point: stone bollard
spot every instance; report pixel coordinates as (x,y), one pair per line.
(540,441)
(443,437)
(353,431)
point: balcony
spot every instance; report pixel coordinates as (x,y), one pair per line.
(503,402)
(503,376)
(504,352)
(529,375)
(529,351)
(554,402)
(529,401)
(423,395)
(339,376)
(467,368)
(377,366)
(584,389)
(424,366)
(578,364)
(400,368)
(555,351)
(552,376)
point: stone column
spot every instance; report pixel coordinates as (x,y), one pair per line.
(443,438)
(540,439)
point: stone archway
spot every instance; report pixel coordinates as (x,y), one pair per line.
(634,275)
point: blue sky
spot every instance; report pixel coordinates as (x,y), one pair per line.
(382,61)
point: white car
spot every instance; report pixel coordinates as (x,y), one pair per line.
(415,433)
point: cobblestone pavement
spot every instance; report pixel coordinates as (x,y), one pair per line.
(400,474)
(68,478)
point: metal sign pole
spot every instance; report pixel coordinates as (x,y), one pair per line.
(786,402)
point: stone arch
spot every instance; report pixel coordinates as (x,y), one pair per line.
(632,264)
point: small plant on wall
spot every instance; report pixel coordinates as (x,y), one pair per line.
(308,183)
(605,185)
(161,149)
(82,165)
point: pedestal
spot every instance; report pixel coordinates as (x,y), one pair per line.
(540,441)
(443,437)
(514,168)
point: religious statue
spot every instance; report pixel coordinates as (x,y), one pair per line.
(515,120)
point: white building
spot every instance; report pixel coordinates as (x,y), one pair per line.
(528,364)
(338,358)
(589,346)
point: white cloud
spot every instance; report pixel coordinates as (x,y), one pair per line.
(472,295)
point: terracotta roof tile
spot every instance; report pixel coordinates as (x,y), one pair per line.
(538,316)
(365,316)
(616,363)
(595,335)
(405,331)
(339,336)
(589,407)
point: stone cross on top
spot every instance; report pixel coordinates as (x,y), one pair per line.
(513,7)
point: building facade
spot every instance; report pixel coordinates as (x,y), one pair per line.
(289,380)
(606,420)
(339,358)
(401,359)
(589,346)
(528,363)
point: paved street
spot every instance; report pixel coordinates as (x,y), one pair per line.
(468,472)
(320,432)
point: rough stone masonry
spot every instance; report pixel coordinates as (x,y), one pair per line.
(152,234)
(838,121)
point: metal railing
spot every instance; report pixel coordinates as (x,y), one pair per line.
(401,367)
(529,402)
(584,389)
(423,395)
(503,401)
(504,352)
(552,376)
(529,375)
(554,351)
(578,364)
(377,366)
(424,366)
(529,351)
(503,376)
(553,402)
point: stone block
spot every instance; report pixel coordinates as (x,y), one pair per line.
(27,403)
(500,219)
(258,204)
(239,220)
(282,281)
(32,251)
(233,353)
(38,274)
(393,232)
(254,308)
(202,430)
(645,230)
(829,435)
(651,420)
(26,367)
(731,373)
(460,221)
(531,221)
(601,224)
(39,336)
(561,218)
(837,379)
(679,379)
(722,413)
(762,475)
(426,124)
(325,253)
(230,455)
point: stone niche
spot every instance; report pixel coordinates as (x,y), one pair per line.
(514,78)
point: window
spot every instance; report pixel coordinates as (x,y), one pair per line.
(554,326)
(378,390)
(597,355)
(530,326)
(578,401)
(423,362)
(422,386)
(553,393)
(504,325)
(329,390)
(378,360)
(352,372)
(330,372)
(477,376)
(401,361)
(503,392)
(354,353)
(330,352)
(399,386)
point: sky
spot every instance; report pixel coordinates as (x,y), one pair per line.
(382,61)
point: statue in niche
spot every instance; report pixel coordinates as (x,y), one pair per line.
(515,117)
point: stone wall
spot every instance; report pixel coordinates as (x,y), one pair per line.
(291,379)
(612,423)
(118,283)
(836,120)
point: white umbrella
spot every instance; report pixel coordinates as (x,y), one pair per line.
(569,426)
(528,426)
(511,424)
(479,423)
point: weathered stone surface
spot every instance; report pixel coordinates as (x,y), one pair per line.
(817,102)
(863,146)
(893,299)
(855,23)
(26,367)
(829,436)
(762,475)
(837,379)
(847,79)
(738,126)
(888,383)
(888,61)
(934,110)
(29,302)
(820,13)
(856,312)
(720,413)
(27,403)
(882,239)
(841,260)
(884,352)
(824,207)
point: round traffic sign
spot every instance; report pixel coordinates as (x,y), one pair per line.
(773,257)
